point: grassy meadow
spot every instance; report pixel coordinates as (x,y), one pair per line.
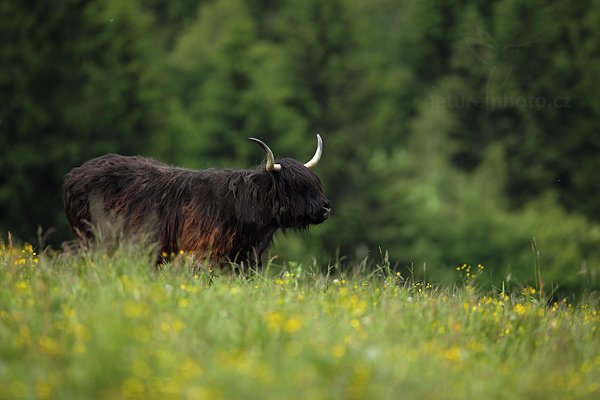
(100,324)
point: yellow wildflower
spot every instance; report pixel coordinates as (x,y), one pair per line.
(21,285)
(274,321)
(520,309)
(292,325)
(452,354)
(49,345)
(338,351)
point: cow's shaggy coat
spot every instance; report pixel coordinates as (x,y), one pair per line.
(222,214)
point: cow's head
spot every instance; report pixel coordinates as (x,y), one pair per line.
(296,193)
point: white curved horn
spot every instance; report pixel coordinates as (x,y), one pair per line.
(270,165)
(315,160)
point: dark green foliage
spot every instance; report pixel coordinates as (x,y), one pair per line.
(453,132)
(77,81)
(535,63)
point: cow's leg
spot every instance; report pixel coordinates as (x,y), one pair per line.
(258,251)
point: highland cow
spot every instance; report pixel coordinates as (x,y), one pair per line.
(225,215)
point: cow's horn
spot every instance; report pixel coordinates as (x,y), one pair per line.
(313,161)
(270,166)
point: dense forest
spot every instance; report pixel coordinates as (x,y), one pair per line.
(461,132)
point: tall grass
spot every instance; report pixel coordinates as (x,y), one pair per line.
(99,324)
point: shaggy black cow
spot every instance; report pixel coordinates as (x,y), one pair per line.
(225,215)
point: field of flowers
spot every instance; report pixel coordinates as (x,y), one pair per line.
(107,325)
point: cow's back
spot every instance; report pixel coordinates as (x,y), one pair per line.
(106,184)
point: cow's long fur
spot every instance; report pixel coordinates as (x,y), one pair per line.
(224,214)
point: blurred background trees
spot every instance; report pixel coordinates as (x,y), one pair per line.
(453,132)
